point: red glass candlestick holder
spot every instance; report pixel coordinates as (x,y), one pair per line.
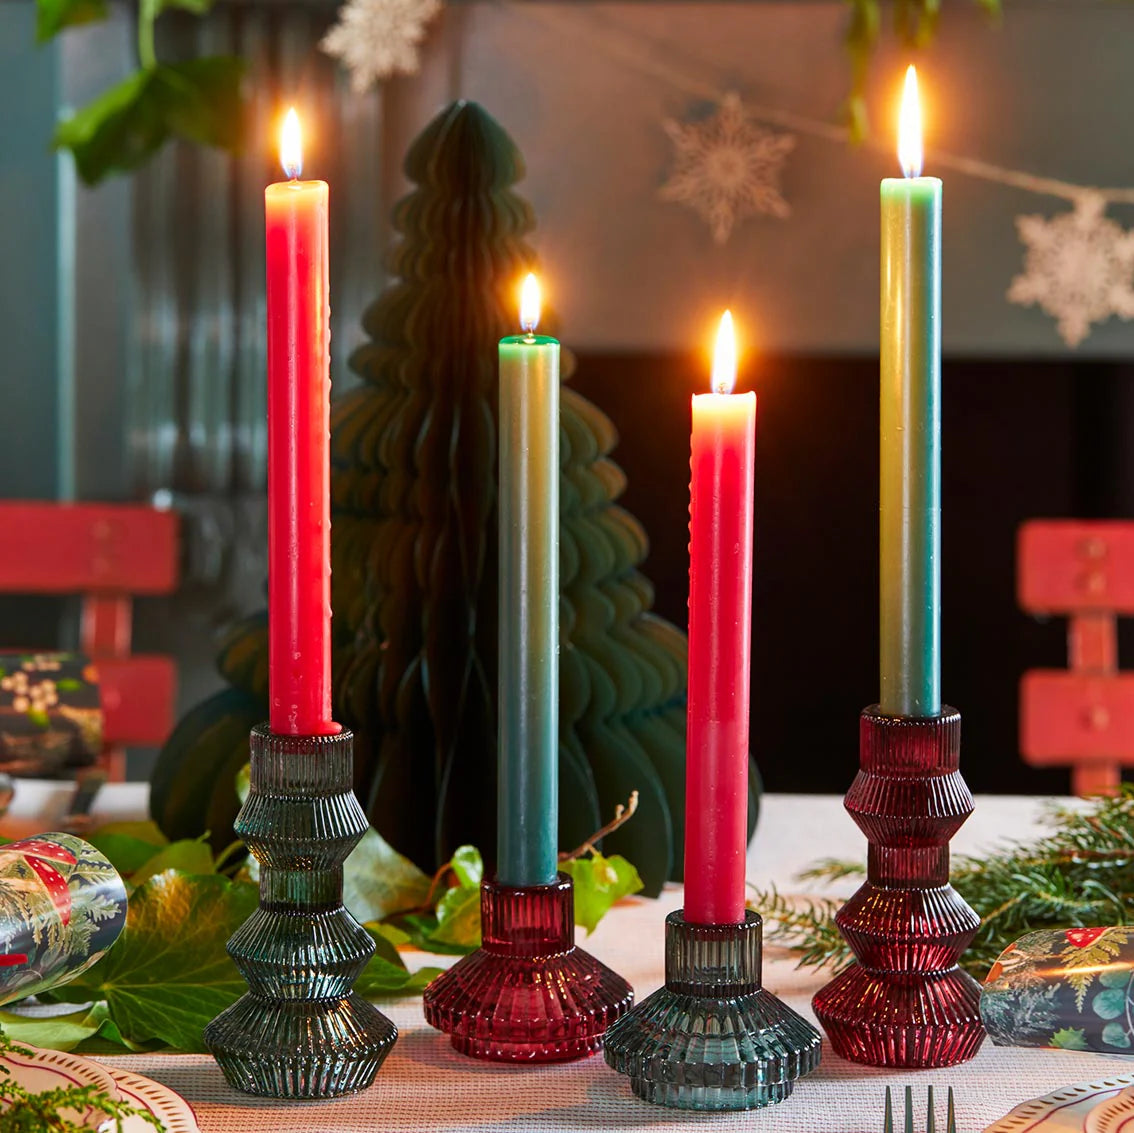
(528,994)
(905,1002)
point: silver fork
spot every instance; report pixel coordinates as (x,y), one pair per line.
(930,1120)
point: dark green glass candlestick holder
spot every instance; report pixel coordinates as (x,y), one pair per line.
(713,1038)
(300,1031)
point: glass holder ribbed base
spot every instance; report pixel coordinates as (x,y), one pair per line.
(905,1002)
(713,1038)
(300,1031)
(528,994)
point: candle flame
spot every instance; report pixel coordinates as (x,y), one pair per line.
(724,357)
(291,146)
(529,304)
(909,127)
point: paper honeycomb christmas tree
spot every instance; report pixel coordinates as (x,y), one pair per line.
(414,551)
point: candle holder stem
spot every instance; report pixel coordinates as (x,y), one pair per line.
(528,994)
(713,1038)
(906,1002)
(300,1031)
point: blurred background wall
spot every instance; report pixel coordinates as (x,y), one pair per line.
(132,314)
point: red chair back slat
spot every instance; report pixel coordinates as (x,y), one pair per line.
(1082,716)
(106,553)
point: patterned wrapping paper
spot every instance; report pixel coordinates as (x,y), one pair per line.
(1071,988)
(50,713)
(62,905)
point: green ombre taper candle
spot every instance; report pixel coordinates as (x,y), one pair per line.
(910,433)
(528,666)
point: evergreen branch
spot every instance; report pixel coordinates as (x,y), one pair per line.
(1079,874)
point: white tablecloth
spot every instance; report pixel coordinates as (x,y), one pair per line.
(424,1085)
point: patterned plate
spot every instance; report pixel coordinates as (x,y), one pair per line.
(1115,1115)
(53,1070)
(1064,1111)
(172,1110)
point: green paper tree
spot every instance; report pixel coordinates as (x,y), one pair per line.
(414,583)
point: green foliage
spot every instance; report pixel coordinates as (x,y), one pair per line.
(64,1110)
(52,16)
(914,23)
(599,883)
(1078,875)
(198,100)
(170,973)
(378,881)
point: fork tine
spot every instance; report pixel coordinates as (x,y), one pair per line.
(931,1118)
(951,1121)
(909,1110)
(888,1123)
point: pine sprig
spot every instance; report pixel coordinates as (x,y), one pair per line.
(1080,874)
(47,1111)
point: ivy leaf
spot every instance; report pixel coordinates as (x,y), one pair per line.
(468,865)
(599,882)
(187,856)
(386,973)
(1069,1038)
(52,16)
(63,1032)
(458,917)
(378,881)
(125,852)
(144,830)
(169,973)
(198,100)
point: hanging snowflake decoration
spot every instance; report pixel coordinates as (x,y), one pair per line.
(1079,267)
(375,39)
(727,167)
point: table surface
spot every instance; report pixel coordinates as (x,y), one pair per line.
(425,1085)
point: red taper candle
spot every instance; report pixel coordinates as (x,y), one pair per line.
(720,643)
(299,471)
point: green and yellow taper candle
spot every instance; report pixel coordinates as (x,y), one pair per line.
(528,662)
(910,433)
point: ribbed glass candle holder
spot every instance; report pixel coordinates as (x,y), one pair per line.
(906,1003)
(300,1031)
(713,1038)
(528,994)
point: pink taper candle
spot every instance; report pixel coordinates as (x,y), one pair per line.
(720,643)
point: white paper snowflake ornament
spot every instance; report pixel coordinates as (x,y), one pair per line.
(374,39)
(1079,267)
(727,167)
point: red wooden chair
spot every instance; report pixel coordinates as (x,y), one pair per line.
(1082,716)
(107,553)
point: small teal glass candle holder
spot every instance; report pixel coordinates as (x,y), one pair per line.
(301,1031)
(528,994)
(713,1038)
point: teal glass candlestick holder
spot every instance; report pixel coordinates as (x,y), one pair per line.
(713,1038)
(300,1031)
(528,994)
